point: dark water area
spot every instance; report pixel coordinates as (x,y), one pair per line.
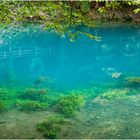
(91,86)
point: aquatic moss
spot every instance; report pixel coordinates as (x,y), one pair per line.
(33,94)
(6,93)
(69,104)
(51,127)
(116,94)
(3,106)
(28,106)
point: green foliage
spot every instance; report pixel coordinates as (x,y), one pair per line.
(52,126)
(28,106)
(121,5)
(85,6)
(60,16)
(69,104)
(34,94)
(136,10)
(102,10)
(132,82)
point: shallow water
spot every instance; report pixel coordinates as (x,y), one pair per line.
(104,73)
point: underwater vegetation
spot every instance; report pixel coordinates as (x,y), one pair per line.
(116,94)
(2,106)
(28,106)
(6,93)
(51,127)
(132,82)
(28,99)
(40,80)
(58,114)
(69,104)
(34,94)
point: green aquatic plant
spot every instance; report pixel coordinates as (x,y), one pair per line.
(42,81)
(2,106)
(51,127)
(115,94)
(28,106)
(34,94)
(69,104)
(6,93)
(39,81)
(132,82)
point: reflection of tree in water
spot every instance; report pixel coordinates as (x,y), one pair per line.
(10,34)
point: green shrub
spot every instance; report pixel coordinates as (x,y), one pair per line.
(69,104)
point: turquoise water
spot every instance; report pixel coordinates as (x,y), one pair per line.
(71,63)
(105,73)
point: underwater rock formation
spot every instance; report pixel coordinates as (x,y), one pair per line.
(132,82)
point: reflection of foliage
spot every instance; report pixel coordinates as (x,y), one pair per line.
(15,31)
(69,104)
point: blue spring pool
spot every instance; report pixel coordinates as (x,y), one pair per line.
(31,52)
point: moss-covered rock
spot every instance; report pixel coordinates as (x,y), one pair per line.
(115,94)
(132,82)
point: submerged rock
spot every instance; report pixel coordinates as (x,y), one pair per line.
(132,82)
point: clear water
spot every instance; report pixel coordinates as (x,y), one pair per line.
(33,58)
(72,63)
